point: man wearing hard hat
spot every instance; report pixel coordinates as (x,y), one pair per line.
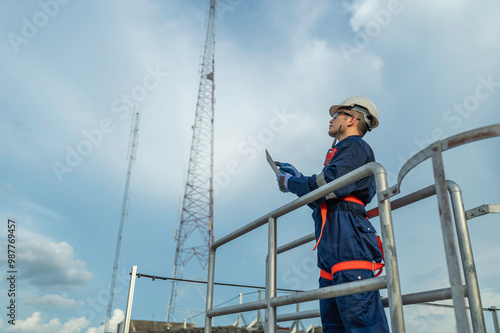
(348,247)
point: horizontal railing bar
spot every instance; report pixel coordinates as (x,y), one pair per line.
(343,289)
(406,200)
(298,315)
(425,296)
(448,143)
(408,299)
(396,204)
(482,210)
(305,296)
(250,306)
(296,243)
(351,177)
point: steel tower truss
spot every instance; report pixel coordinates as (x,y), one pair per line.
(195,234)
(132,151)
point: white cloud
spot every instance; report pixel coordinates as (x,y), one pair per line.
(116,318)
(429,319)
(35,324)
(46,263)
(361,11)
(53,300)
(311,62)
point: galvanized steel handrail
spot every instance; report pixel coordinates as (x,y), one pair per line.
(472,291)
(435,151)
(391,280)
(348,288)
(305,296)
(408,299)
(482,210)
(362,172)
(468,266)
(396,204)
(448,143)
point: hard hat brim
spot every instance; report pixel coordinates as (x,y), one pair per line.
(335,108)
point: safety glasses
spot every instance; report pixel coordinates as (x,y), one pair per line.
(343,112)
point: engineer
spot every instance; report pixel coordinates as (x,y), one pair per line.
(348,246)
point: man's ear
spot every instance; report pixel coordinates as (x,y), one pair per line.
(351,121)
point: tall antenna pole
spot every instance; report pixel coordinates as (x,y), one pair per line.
(197,206)
(134,141)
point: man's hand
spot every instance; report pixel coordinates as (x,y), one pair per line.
(288,168)
(282,179)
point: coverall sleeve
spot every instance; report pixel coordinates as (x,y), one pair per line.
(349,157)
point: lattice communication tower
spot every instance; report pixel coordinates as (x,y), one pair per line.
(195,234)
(132,151)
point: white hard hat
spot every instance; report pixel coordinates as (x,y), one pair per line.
(360,104)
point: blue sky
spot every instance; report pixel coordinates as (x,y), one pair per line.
(71,70)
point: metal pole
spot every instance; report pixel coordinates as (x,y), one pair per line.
(297,321)
(298,315)
(390,257)
(470,274)
(258,311)
(240,314)
(342,289)
(457,292)
(210,290)
(271,281)
(408,299)
(233,309)
(495,319)
(130,300)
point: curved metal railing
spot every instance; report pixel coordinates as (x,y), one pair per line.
(442,188)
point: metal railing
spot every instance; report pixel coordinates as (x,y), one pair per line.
(272,301)
(472,289)
(457,291)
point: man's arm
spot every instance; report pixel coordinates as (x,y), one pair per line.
(349,157)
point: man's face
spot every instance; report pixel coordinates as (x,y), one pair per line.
(339,118)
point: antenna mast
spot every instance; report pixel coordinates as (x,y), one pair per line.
(134,141)
(197,206)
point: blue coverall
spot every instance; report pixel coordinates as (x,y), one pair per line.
(347,235)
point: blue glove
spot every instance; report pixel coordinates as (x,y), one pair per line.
(282,179)
(288,168)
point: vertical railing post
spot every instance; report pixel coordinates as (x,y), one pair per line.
(130,300)
(297,322)
(210,289)
(457,291)
(271,281)
(495,319)
(240,315)
(390,257)
(470,274)
(258,311)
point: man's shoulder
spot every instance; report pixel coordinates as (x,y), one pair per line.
(356,142)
